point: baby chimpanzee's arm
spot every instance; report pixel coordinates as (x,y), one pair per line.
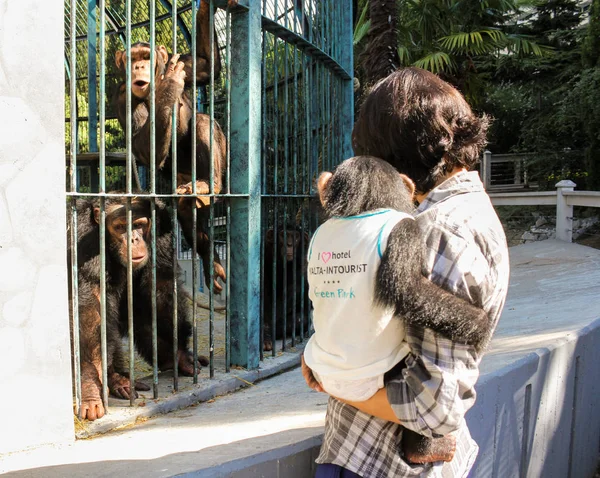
(401,284)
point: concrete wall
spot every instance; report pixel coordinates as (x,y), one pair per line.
(35,377)
(540,416)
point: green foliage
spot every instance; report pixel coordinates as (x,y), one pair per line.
(437,62)
(591,46)
(544,104)
(362,26)
(510,104)
(456,38)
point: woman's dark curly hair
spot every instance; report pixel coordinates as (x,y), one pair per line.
(421,125)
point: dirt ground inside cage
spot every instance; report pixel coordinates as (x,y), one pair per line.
(121,414)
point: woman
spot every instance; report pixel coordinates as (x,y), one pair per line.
(426,130)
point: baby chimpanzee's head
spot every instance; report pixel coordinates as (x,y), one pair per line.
(364,183)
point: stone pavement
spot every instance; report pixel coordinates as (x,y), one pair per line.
(537,388)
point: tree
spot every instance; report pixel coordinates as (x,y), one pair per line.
(591,45)
(547,124)
(589,85)
(380,57)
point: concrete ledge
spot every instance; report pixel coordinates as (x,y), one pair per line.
(123,415)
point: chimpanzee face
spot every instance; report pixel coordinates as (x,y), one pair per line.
(140,66)
(289,248)
(116,228)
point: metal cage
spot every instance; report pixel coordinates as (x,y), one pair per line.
(284,101)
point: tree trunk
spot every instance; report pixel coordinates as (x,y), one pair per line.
(380,57)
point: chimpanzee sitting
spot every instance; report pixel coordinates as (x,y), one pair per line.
(365,276)
(290,272)
(88,259)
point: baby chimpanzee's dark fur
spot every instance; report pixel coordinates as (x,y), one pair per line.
(89,268)
(363,184)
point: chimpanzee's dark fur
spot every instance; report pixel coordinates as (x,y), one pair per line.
(173,75)
(88,264)
(285,283)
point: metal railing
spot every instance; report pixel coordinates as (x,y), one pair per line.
(564,198)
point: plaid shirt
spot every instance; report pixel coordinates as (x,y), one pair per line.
(467,255)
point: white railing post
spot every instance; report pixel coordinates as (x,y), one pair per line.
(486,169)
(564,212)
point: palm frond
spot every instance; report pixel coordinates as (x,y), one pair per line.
(521,45)
(362,26)
(404,55)
(436,62)
(473,43)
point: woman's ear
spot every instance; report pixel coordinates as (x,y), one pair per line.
(409,184)
(322,183)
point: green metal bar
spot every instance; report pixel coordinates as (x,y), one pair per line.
(150,195)
(73,181)
(295,160)
(194,186)
(153,200)
(102,189)
(315,51)
(264,133)
(245,174)
(121,30)
(275,186)
(228,189)
(130,300)
(129,176)
(211,266)
(128,121)
(347,62)
(174,219)
(285,182)
(172,11)
(92,74)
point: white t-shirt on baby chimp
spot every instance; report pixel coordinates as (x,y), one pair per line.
(355,342)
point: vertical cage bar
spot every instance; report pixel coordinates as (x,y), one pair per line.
(285,186)
(153,199)
(130,299)
(211,263)
(174,206)
(346,60)
(306,176)
(263,143)
(128,167)
(295,191)
(246,174)
(92,74)
(73,181)
(194,244)
(228,170)
(102,189)
(275,183)
(128,121)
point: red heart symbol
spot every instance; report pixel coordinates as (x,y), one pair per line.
(326,256)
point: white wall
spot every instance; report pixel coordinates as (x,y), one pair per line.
(35,377)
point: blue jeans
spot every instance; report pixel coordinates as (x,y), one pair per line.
(328,470)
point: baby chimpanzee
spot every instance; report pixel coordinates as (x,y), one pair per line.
(366,282)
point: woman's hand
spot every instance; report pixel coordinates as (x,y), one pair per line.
(311,381)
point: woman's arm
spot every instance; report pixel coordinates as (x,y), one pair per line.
(378,405)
